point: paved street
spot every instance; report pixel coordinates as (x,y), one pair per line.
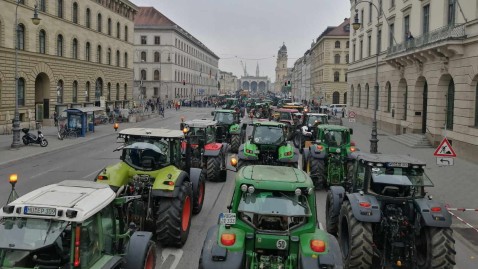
(84,157)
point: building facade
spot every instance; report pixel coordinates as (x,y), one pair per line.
(227,83)
(330,57)
(169,62)
(427,71)
(79,55)
(281,69)
(255,83)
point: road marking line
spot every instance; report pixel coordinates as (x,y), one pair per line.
(90,175)
(42,173)
(176,253)
(321,226)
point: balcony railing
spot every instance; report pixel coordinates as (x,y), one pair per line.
(449,32)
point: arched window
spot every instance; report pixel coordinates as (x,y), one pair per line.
(21,92)
(336,98)
(88,18)
(367,93)
(74,49)
(450,106)
(347,58)
(109,26)
(359,96)
(87,91)
(42,5)
(336,76)
(125,33)
(143,74)
(108,57)
(156,74)
(126,92)
(352,94)
(42,42)
(75,92)
(21,37)
(117,91)
(345,97)
(118,59)
(98,54)
(59,46)
(87,52)
(109,91)
(60,8)
(389,97)
(118,30)
(99,24)
(126,60)
(75,13)
(143,56)
(347,44)
(337,44)
(337,59)
(156,57)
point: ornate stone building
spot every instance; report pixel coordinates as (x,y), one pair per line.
(255,83)
(427,74)
(228,83)
(281,69)
(79,55)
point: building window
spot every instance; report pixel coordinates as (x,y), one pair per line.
(361,17)
(361,50)
(337,44)
(42,41)
(347,58)
(88,18)
(367,92)
(353,53)
(156,91)
(379,42)
(109,26)
(75,13)
(109,92)
(157,40)
(98,54)
(74,49)
(156,74)
(118,30)
(359,96)
(99,24)
(156,57)
(389,97)
(352,94)
(345,78)
(370,12)
(337,59)
(87,92)
(143,74)
(75,92)
(42,5)
(406,26)
(125,33)
(426,19)
(450,106)
(390,35)
(21,37)
(21,91)
(336,76)
(60,8)
(451,12)
(476,105)
(143,40)
(143,56)
(380,7)
(369,45)
(392,3)
(59,92)
(118,60)
(117,91)
(108,57)
(59,46)
(347,44)
(125,92)
(126,60)
(87,52)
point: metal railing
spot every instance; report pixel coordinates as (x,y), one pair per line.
(449,32)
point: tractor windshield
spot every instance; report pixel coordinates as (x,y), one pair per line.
(146,155)
(224,118)
(334,138)
(270,135)
(398,181)
(316,119)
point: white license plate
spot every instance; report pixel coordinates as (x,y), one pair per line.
(43,211)
(227,218)
(398,164)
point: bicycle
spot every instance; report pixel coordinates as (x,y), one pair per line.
(67,133)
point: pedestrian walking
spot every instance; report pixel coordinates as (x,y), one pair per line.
(55,118)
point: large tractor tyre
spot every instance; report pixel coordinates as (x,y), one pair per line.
(331,218)
(316,170)
(141,258)
(297,140)
(174,217)
(435,248)
(355,240)
(214,168)
(199,193)
(235,143)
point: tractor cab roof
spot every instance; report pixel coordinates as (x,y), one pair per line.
(225,111)
(69,200)
(202,123)
(152,132)
(333,127)
(273,177)
(289,110)
(316,114)
(265,122)
(390,159)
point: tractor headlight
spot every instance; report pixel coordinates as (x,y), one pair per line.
(243,187)
(298,192)
(251,189)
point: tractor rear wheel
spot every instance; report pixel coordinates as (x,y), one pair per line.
(199,193)
(435,248)
(174,217)
(355,239)
(213,168)
(331,218)
(316,170)
(235,143)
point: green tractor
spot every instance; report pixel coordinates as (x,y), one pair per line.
(327,158)
(271,223)
(268,145)
(231,103)
(153,166)
(228,129)
(205,152)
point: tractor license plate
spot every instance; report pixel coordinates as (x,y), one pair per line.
(395,164)
(41,211)
(227,218)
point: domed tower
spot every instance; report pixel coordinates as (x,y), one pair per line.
(281,68)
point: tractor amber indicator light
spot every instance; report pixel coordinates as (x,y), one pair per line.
(13,178)
(320,147)
(76,261)
(170,183)
(116,126)
(352,149)
(288,153)
(228,239)
(436,209)
(364,204)
(102,177)
(317,245)
(233,161)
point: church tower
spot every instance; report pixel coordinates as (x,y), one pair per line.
(281,68)
(257,69)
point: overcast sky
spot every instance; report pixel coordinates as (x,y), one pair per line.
(253,30)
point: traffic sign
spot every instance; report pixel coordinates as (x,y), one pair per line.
(352,114)
(352,120)
(445,161)
(444,149)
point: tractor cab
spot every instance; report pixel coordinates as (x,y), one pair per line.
(231,103)
(201,132)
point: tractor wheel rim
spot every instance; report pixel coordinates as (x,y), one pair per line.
(149,260)
(186,213)
(201,192)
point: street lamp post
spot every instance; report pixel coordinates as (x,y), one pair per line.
(356,25)
(16,121)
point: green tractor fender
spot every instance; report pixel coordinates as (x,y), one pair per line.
(214,255)
(288,153)
(364,207)
(332,256)
(248,151)
(234,129)
(116,175)
(163,177)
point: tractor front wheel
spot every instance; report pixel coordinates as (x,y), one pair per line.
(331,218)
(435,248)
(316,170)
(214,168)
(174,217)
(235,143)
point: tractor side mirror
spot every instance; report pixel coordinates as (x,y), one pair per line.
(249,137)
(351,131)
(212,113)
